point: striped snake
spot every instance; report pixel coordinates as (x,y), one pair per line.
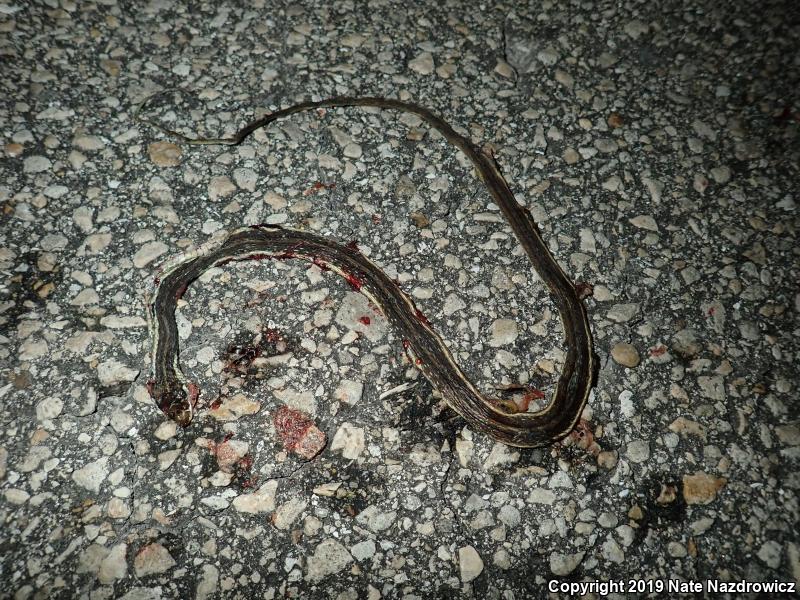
(177,397)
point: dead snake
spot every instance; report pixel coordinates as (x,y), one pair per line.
(177,397)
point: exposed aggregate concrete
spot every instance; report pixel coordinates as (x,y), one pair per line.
(655,143)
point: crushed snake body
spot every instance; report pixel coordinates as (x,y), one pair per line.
(176,397)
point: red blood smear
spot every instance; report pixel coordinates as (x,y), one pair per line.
(320,263)
(194,393)
(658,350)
(291,425)
(286,255)
(352,245)
(355,282)
(151,384)
(406,344)
(216,404)
(711,311)
(422,318)
(273,335)
(260,256)
(181,291)
(364,320)
(228,436)
(418,361)
(246,462)
(534,394)
(156,280)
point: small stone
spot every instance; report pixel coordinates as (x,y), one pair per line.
(638,451)
(685,344)
(167,458)
(152,559)
(349,392)
(654,187)
(88,143)
(97,242)
(571,156)
(229,453)
(500,455)
(789,435)
(219,187)
(35,456)
(504,69)
(721,174)
(509,515)
(82,217)
(85,297)
(702,525)
(644,222)
(622,313)
(36,164)
(770,554)
(502,559)
(352,150)
(349,439)
(676,550)
(148,253)
(164,154)
(453,304)
(13,149)
(234,407)
(262,500)
(375,519)
(541,496)
(615,121)
(607,459)
(636,28)
(612,552)
(92,475)
(564,564)
(298,433)
(32,348)
(503,332)
(329,557)
(687,427)
(363,550)
(53,242)
(287,513)
(16,496)
(469,563)
(712,387)
(111,372)
(701,488)
(49,408)
(568,81)
(114,566)
(625,354)
(207,587)
(422,64)
(245,179)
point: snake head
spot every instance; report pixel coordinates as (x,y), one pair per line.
(175,401)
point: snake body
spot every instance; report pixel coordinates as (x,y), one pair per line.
(176,397)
